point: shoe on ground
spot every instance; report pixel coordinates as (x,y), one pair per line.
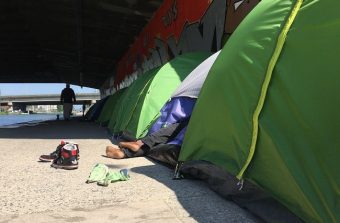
(57,152)
(52,156)
(67,158)
(48,158)
(67,164)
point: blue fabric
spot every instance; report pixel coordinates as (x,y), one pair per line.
(176,110)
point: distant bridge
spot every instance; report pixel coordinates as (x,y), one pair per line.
(21,101)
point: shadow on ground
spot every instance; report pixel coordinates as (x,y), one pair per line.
(74,129)
(184,200)
(199,203)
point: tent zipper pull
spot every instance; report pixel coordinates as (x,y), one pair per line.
(240,184)
(177,174)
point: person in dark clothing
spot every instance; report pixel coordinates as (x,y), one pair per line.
(152,145)
(67,98)
(84,108)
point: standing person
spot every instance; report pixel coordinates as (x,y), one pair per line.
(84,108)
(67,98)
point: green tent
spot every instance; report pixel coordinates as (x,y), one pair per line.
(269,109)
(129,99)
(109,106)
(95,110)
(142,101)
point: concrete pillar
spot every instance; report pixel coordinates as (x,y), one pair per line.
(10,106)
(19,106)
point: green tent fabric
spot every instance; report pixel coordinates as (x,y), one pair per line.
(129,99)
(113,118)
(89,112)
(109,106)
(146,96)
(95,110)
(278,128)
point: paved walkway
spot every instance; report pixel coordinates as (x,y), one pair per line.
(31,191)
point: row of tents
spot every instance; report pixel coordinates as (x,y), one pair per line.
(268,111)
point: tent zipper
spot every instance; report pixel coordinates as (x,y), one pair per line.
(279,45)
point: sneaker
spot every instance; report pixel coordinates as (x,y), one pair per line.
(67,159)
(56,153)
(52,156)
(67,164)
(77,148)
(48,158)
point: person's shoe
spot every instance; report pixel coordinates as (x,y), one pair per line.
(56,153)
(67,159)
(77,148)
(52,156)
(67,164)
(48,158)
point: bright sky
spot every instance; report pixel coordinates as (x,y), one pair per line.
(28,89)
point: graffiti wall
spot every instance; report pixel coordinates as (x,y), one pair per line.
(236,11)
(177,27)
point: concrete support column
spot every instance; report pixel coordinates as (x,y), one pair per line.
(19,106)
(10,107)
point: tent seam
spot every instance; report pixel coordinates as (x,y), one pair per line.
(273,60)
(135,106)
(148,126)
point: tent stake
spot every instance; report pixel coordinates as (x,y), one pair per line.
(177,174)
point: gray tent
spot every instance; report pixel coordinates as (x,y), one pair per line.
(192,84)
(179,109)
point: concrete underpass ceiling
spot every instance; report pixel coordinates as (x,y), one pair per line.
(75,41)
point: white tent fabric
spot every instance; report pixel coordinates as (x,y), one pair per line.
(192,84)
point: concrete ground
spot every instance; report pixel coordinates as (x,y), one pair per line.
(32,191)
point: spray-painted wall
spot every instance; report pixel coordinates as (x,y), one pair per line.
(179,26)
